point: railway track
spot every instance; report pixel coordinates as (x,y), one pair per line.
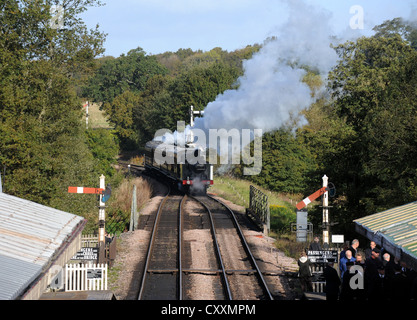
(170,271)
(244,278)
(162,273)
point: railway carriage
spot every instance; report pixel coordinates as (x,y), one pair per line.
(193,178)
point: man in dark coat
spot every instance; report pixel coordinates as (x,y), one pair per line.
(368,251)
(399,285)
(388,265)
(371,270)
(347,293)
(354,247)
(332,282)
(381,289)
(315,245)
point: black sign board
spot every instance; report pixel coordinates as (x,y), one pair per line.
(94,273)
(86,254)
(322,256)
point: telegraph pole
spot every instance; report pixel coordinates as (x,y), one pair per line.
(86,114)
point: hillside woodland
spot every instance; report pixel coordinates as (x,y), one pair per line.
(360,131)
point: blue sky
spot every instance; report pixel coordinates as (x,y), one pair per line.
(168,25)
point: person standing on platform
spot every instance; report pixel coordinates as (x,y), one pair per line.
(368,251)
(360,260)
(332,282)
(343,252)
(354,247)
(347,293)
(372,265)
(342,264)
(380,289)
(304,273)
(315,245)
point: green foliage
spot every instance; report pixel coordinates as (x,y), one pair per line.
(197,87)
(398,26)
(281,218)
(127,73)
(43,148)
(286,162)
(104,147)
(120,113)
(362,136)
(375,94)
(142,93)
(185,60)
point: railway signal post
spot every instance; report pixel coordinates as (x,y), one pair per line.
(104,193)
(192,114)
(101,213)
(326,225)
(324,191)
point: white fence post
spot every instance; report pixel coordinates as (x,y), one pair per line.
(90,240)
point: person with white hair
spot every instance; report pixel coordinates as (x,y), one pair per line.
(342,264)
(388,265)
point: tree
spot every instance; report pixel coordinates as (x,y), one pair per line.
(398,26)
(152,111)
(166,101)
(127,72)
(286,162)
(120,113)
(374,93)
(42,143)
(198,87)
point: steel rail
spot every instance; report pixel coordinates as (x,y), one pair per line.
(180,244)
(228,293)
(247,249)
(151,243)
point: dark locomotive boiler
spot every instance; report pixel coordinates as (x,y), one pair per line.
(184,165)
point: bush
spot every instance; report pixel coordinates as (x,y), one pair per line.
(281,218)
(288,244)
(119,206)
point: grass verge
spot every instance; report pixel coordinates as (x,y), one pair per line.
(237,191)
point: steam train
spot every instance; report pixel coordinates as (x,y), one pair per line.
(173,162)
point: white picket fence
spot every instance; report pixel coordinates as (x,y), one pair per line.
(85,277)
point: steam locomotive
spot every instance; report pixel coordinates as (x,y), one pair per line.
(192,177)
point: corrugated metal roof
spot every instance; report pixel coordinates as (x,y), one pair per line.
(30,234)
(397,226)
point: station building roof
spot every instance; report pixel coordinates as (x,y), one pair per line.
(395,230)
(32,237)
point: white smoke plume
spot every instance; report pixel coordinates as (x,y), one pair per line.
(271,88)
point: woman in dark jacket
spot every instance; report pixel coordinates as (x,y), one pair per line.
(304,273)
